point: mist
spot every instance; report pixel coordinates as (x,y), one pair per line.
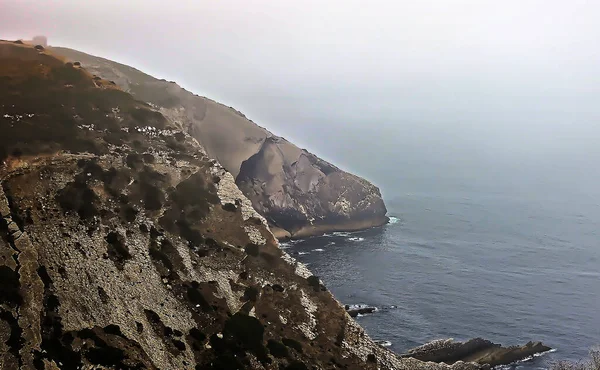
(503,94)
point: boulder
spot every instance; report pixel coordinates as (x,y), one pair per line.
(355,310)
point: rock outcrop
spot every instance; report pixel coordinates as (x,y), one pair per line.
(355,310)
(124,246)
(298,193)
(476,350)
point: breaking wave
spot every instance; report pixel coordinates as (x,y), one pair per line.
(356,239)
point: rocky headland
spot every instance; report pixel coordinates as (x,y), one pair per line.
(298,193)
(124,244)
(476,350)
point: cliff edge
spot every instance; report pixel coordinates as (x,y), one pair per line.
(298,193)
(124,246)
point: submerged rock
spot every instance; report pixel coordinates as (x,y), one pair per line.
(476,350)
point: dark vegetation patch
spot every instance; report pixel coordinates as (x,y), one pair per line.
(189,205)
(292,344)
(250,294)
(229,207)
(315,283)
(10,287)
(255,221)
(113,329)
(165,257)
(196,338)
(104,298)
(15,341)
(134,161)
(178,344)
(296,365)
(278,288)
(179,136)
(118,252)
(77,195)
(148,158)
(149,182)
(148,117)
(241,333)
(166,333)
(129,213)
(55,345)
(196,297)
(371,358)
(108,347)
(277,349)
(252,249)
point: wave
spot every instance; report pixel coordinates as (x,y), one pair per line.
(384,343)
(356,239)
(393,220)
(340,233)
(289,243)
(318,250)
(526,359)
(303,253)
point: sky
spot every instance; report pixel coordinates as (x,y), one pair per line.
(396,91)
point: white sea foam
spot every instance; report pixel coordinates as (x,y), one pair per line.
(340,233)
(384,343)
(319,250)
(393,220)
(526,359)
(356,239)
(303,253)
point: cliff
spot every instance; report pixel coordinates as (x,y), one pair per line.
(124,246)
(298,193)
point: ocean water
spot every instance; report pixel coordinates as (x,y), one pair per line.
(460,265)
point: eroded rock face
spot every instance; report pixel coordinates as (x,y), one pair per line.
(298,193)
(476,350)
(122,245)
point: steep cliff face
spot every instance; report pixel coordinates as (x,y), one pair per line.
(122,245)
(298,193)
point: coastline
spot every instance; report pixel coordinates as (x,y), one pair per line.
(320,229)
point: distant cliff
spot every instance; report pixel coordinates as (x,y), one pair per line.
(298,193)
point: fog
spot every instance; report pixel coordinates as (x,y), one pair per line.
(488,93)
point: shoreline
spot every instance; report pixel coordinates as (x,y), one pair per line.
(319,230)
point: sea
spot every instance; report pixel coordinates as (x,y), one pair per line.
(465,264)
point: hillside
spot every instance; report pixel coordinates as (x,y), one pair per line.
(298,193)
(123,246)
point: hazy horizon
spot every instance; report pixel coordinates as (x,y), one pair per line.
(395,92)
